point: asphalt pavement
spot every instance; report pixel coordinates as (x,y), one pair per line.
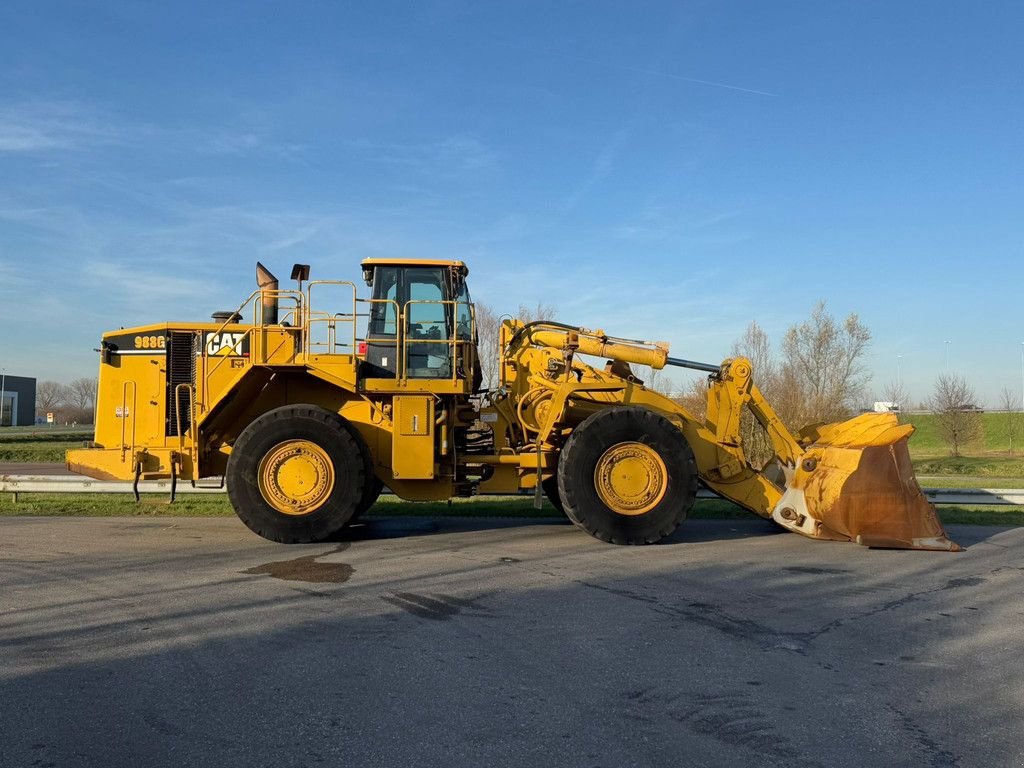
(191,642)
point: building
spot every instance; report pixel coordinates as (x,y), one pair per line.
(17,401)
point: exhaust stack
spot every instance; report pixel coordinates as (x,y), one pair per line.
(268,294)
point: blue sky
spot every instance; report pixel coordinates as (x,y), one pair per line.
(661,170)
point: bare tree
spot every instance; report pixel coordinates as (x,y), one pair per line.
(756,347)
(50,397)
(540,312)
(896,392)
(1010,402)
(654,379)
(819,378)
(81,393)
(488,329)
(695,398)
(80,396)
(953,402)
(823,360)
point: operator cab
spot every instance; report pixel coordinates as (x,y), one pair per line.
(420,320)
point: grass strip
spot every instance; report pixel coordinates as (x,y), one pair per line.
(961,481)
(39,445)
(974,466)
(189,505)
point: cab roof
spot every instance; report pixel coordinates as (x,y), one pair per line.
(399,262)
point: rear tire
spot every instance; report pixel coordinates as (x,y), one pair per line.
(627,476)
(297,475)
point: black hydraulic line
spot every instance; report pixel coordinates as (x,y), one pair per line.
(680,363)
(675,361)
(522,331)
(582,331)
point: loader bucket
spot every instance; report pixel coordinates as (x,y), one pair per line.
(855,482)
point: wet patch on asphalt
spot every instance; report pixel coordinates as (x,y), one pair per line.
(308,569)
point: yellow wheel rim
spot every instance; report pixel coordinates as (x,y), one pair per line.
(630,478)
(296,477)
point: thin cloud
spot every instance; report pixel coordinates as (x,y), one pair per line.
(144,289)
(601,166)
(662,222)
(12,278)
(453,153)
(25,214)
(43,126)
(641,70)
(244,143)
(300,235)
(47,126)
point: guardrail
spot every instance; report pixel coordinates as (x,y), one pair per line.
(16,484)
(997,496)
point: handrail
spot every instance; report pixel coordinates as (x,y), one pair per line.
(191,415)
(254,297)
(383,340)
(126,414)
(310,318)
(459,344)
(455,342)
(331,321)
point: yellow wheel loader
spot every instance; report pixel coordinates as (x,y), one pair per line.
(308,401)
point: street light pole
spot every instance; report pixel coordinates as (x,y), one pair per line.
(899,370)
(3,393)
(1022,376)
(947,357)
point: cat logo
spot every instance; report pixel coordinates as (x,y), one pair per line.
(227,344)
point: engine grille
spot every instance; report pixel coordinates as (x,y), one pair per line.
(181,369)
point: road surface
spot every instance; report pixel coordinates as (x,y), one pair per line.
(177,641)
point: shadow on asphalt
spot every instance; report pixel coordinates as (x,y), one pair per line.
(691,531)
(374,529)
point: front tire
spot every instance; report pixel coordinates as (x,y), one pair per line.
(627,475)
(297,475)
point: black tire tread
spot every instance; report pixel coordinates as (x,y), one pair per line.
(550,488)
(595,435)
(371,492)
(292,421)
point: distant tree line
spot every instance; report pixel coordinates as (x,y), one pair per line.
(819,376)
(71,403)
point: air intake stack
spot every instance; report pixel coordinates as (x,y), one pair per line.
(268,295)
